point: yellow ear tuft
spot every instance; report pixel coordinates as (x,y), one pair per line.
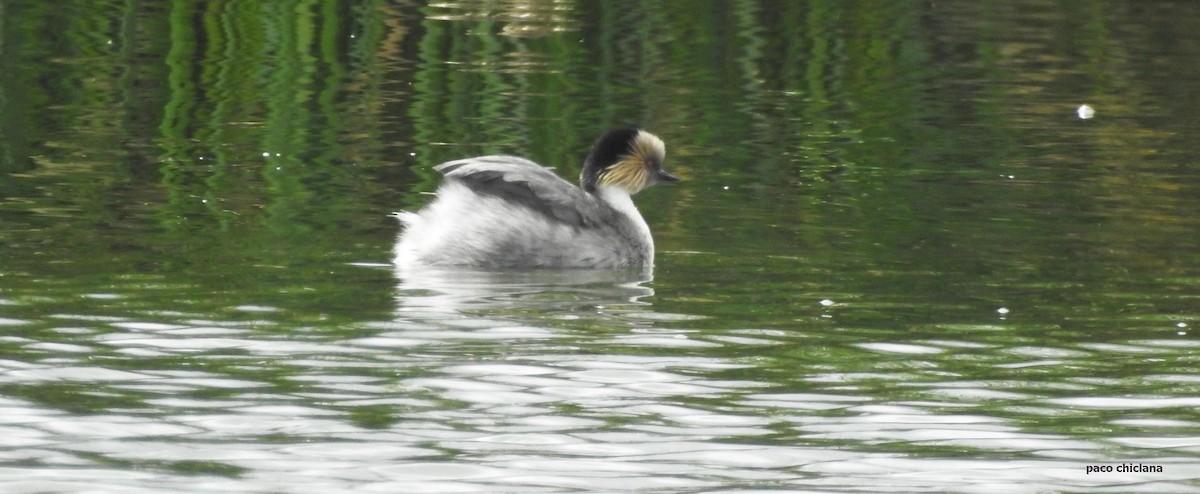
(630,174)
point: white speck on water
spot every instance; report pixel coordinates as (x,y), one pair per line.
(1181,324)
(266,154)
(255,308)
(725,187)
(1002,310)
(827,302)
(278,155)
(1085,112)
(412,154)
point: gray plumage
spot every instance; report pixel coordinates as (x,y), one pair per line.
(509,212)
(528,184)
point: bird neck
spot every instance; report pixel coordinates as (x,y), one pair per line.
(619,198)
(633,227)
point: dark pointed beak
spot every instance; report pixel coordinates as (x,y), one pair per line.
(665,176)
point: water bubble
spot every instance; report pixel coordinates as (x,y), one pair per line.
(1085,112)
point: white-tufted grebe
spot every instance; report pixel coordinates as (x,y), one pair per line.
(509,212)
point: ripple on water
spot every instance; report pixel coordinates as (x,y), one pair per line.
(529,440)
(802,401)
(1120,348)
(489,370)
(744,340)
(73,330)
(971,394)
(660,341)
(87,317)
(623,376)
(83,478)
(145,326)
(212,383)
(59,347)
(442,335)
(439,471)
(900,348)
(1045,352)
(369,452)
(691,389)
(1173,378)
(535,420)
(172,344)
(110,426)
(1125,403)
(895,472)
(84,374)
(1190,444)
(195,331)
(256,308)
(1180,343)
(479,392)
(24,437)
(1152,422)
(386,341)
(255,421)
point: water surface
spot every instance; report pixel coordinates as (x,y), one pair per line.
(900,261)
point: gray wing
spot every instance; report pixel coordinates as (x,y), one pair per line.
(526,183)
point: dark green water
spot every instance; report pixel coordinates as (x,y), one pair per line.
(900,260)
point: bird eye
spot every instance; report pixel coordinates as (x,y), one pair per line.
(650,162)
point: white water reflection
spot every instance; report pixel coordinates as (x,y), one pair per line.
(535,384)
(543,382)
(458,289)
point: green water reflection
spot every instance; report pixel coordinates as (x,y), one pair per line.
(898,251)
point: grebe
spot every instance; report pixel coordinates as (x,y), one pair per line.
(509,212)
